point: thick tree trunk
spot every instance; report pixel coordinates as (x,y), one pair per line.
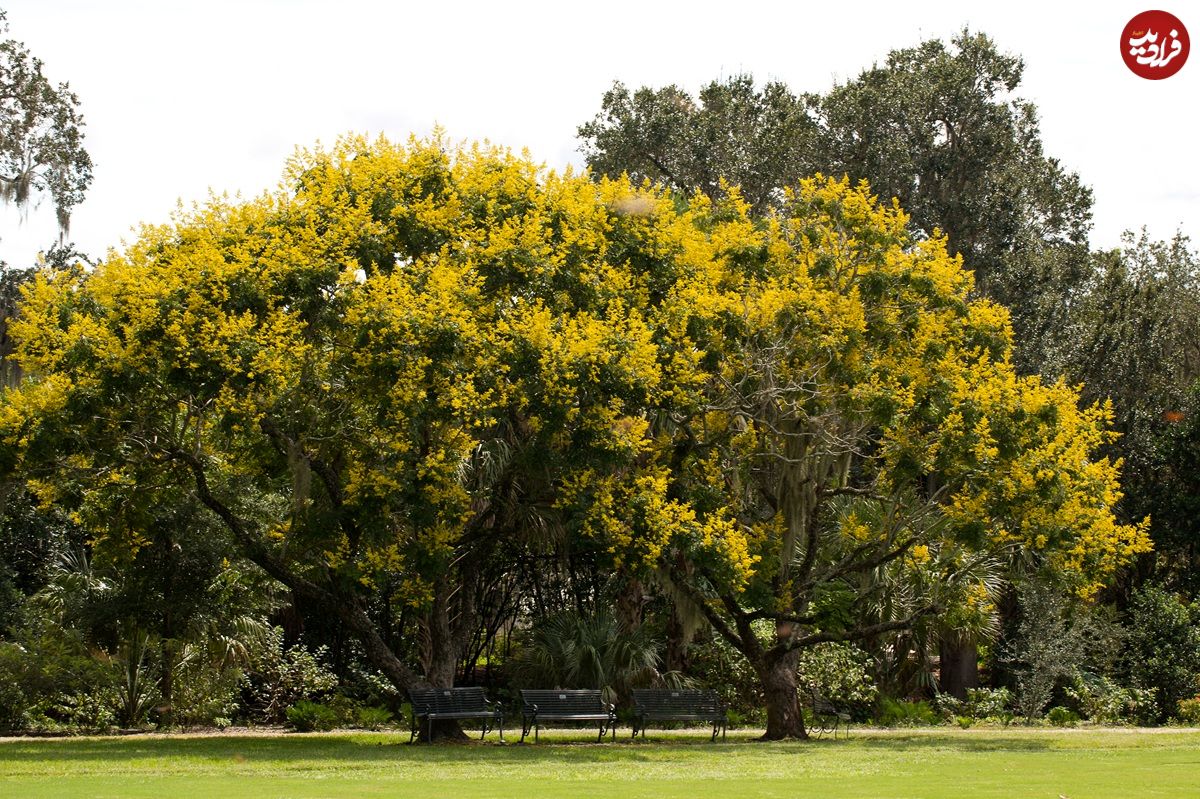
(959,667)
(784,716)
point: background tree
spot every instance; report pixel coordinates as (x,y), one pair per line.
(759,140)
(936,126)
(41,134)
(1135,339)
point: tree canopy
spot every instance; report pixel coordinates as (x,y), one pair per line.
(411,355)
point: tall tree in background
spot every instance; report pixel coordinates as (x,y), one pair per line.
(41,134)
(757,140)
(1135,336)
(937,126)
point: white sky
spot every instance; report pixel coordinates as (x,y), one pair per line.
(183,97)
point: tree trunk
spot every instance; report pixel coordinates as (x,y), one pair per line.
(959,667)
(784,717)
(677,643)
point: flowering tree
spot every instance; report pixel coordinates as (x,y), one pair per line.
(410,355)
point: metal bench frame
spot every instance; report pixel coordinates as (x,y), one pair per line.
(566,705)
(437,704)
(827,718)
(653,704)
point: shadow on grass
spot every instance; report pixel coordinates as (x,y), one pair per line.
(368,748)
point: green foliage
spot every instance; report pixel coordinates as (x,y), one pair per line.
(840,673)
(373,718)
(205,691)
(49,681)
(568,650)
(1062,717)
(905,713)
(1163,648)
(1051,647)
(1102,700)
(280,677)
(306,716)
(755,139)
(716,665)
(993,705)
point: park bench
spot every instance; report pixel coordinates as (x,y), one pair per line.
(653,704)
(560,705)
(827,717)
(437,704)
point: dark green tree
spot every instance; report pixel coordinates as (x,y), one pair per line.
(1135,339)
(757,139)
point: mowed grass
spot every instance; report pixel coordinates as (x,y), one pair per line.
(939,763)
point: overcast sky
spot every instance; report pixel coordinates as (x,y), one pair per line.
(181,98)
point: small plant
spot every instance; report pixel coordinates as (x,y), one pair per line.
(306,716)
(373,718)
(1062,717)
(1188,711)
(902,713)
(964,721)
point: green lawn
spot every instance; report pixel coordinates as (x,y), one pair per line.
(943,763)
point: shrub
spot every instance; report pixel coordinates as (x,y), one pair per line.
(840,672)
(568,650)
(902,713)
(721,668)
(991,704)
(306,716)
(373,718)
(1163,648)
(1102,700)
(1062,717)
(1188,711)
(281,677)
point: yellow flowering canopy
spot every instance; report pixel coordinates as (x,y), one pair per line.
(365,372)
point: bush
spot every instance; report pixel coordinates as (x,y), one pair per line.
(902,713)
(280,678)
(1062,717)
(1163,648)
(50,682)
(721,668)
(1188,711)
(1103,701)
(373,718)
(840,672)
(306,716)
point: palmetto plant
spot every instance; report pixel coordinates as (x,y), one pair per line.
(568,650)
